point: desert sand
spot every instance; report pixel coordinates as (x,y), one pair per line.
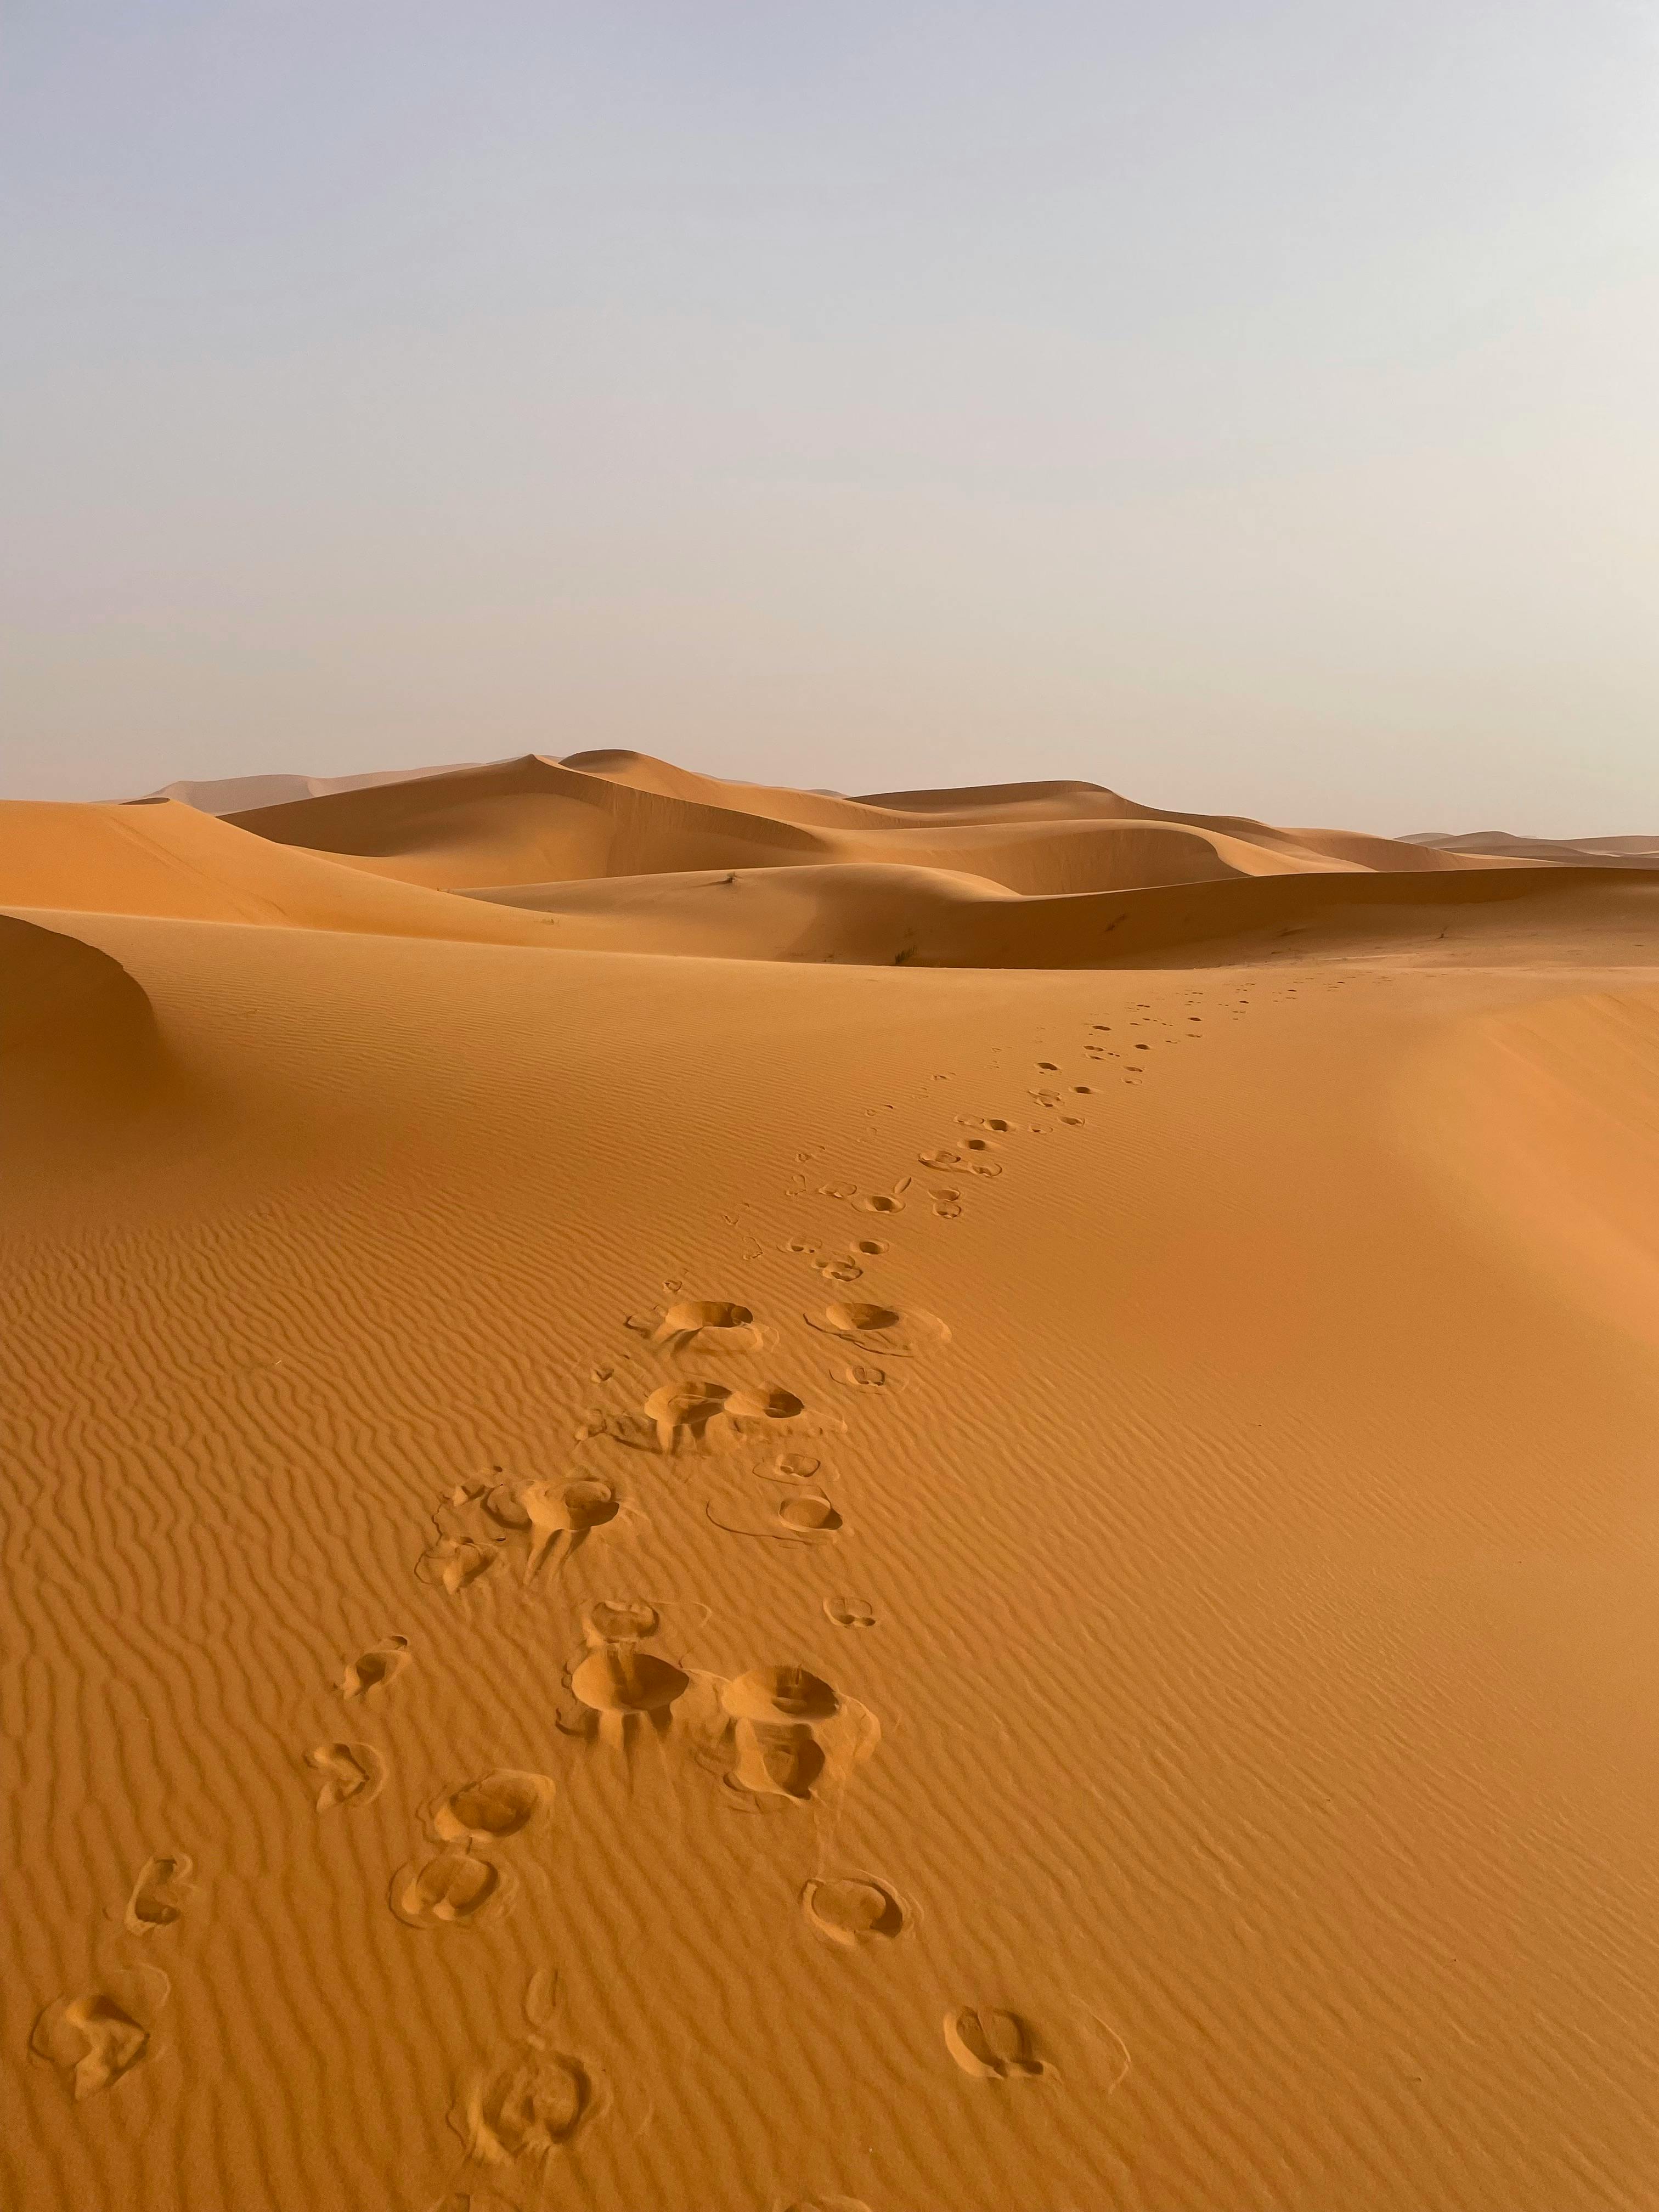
(720,1498)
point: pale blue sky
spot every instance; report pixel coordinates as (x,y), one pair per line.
(1250,406)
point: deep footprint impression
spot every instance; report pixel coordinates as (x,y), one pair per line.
(159,1894)
(93,2040)
(495,1805)
(454,1889)
(992,2045)
(849,1910)
(353,1774)
(377,1667)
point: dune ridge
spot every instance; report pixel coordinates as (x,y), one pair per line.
(748,1528)
(615,851)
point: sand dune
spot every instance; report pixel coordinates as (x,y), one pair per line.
(162,858)
(601,815)
(656,1562)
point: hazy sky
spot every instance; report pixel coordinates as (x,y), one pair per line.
(1250,406)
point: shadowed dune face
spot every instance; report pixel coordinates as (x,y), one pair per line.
(78,1038)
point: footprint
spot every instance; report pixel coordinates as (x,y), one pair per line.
(684,1409)
(775,1759)
(850,1611)
(993,2046)
(837,1190)
(158,1895)
(839,1271)
(993,1122)
(619,1620)
(453,1890)
(942,1157)
(706,1325)
(376,1668)
(353,1774)
(865,1375)
(826,2204)
(815,1516)
(880,1201)
(617,1678)
(870,1248)
(796,1466)
(494,1806)
(850,1910)
(880,1328)
(1048,1067)
(768,1403)
(776,1713)
(802,1517)
(560,1514)
(780,1693)
(454,1564)
(93,2039)
(535,2103)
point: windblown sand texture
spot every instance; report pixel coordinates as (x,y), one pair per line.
(721,1500)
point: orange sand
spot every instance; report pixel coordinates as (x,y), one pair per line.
(659,1563)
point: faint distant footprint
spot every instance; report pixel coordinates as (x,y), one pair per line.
(93,2039)
(851,1910)
(455,1562)
(850,1611)
(538,2099)
(158,1895)
(826,2205)
(353,1774)
(453,1890)
(993,2046)
(374,1669)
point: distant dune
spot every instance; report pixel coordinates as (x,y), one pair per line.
(724,1499)
(226,794)
(1568,852)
